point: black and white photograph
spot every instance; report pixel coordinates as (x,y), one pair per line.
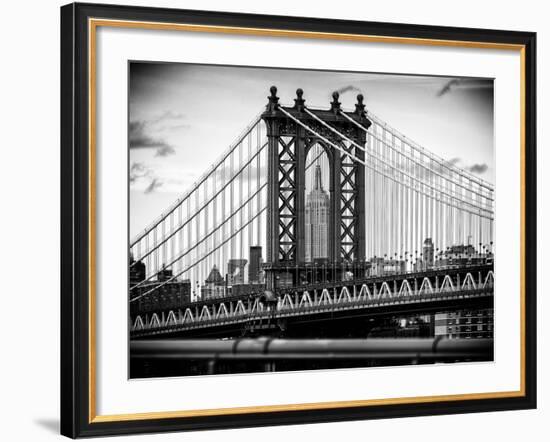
(288,220)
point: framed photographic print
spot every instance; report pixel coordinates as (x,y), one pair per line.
(275,220)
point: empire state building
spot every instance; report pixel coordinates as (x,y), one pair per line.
(317,218)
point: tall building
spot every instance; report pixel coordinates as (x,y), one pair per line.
(255,265)
(235,271)
(468,324)
(164,274)
(170,296)
(462,255)
(317,219)
(428,253)
(384,266)
(137,271)
(214,285)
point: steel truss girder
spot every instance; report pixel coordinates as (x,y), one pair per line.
(349,215)
(364,293)
(287,169)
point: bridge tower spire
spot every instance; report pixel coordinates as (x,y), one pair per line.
(292,132)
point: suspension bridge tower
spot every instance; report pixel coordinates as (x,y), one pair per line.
(292,132)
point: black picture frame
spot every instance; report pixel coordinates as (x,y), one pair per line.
(77,420)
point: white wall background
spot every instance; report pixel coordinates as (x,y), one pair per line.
(29,221)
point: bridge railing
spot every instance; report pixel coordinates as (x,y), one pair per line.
(205,175)
(357,267)
(306,303)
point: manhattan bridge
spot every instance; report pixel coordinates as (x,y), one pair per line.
(408,233)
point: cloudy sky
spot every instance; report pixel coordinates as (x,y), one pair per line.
(183,116)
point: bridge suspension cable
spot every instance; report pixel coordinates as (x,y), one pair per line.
(430,170)
(412,197)
(200,260)
(212,234)
(203,207)
(422,151)
(210,200)
(409,198)
(388,164)
(253,125)
(377,157)
(309,129)
(203,239)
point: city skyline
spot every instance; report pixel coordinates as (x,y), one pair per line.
(220,279)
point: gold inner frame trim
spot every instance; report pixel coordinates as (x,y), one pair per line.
(93,24)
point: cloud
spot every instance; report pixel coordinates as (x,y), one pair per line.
(465,84)
(169,120)
(154,185)
(142,175)
(478,168)
(149,134)
(348,88)
(139,138)
(164,151)
(139,171)
(448,86)
(441,168)
(146,179)
(453,161)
